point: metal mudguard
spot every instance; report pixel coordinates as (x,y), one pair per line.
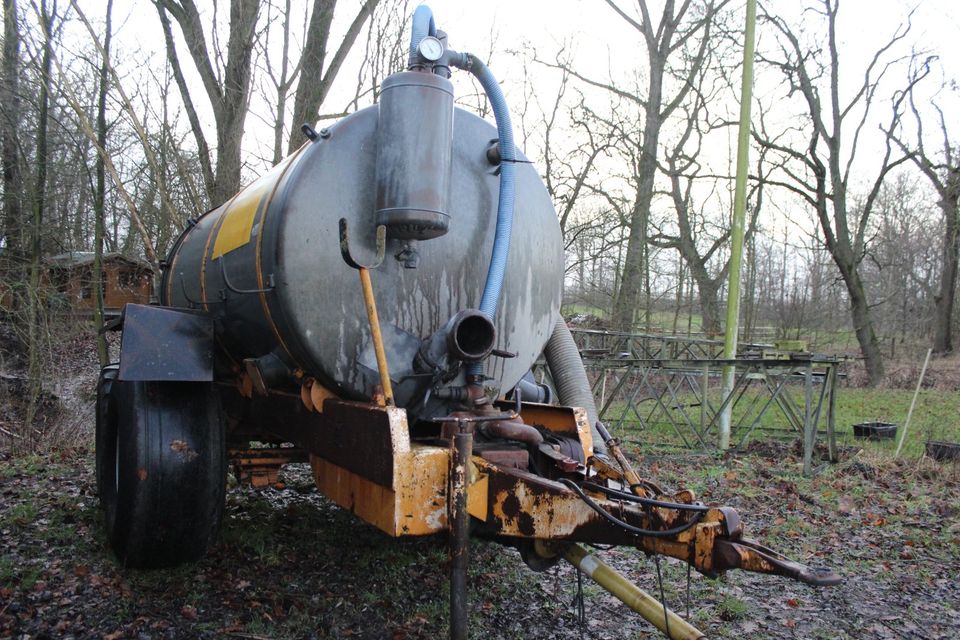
(160,343)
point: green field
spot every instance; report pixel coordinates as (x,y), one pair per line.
(935,417)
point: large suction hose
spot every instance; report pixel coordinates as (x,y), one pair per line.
(561,352)
(501,240)
(573,388)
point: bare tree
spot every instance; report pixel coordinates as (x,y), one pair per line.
(100,190)
(315,80)
(819,171)
(943,173)
(228,93)
(47,17)
(700,233)
(9,127)
(676,44)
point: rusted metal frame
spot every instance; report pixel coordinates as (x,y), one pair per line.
(654,395)
(616,390)
(657,397)
(735,393)
(459,478)
(603,386)
(756,421)
(661,347)
(745,378)
(784,402)
(260,467)
(809,428)
(595,387)
(766,406)
(815,415)
(795,405)
(670,379)
(700,389)
(704,399)
(529,506)
(630,403)
(815,418)
(750,555)
(679,405)
(831,413)
(742,422)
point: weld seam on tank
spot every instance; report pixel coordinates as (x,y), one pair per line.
(570,376)
(501,241)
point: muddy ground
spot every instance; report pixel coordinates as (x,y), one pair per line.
(289,564)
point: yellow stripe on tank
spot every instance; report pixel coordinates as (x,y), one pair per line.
(237,226)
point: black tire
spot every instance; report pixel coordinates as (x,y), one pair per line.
(161,469)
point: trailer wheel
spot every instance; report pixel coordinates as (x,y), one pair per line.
(161,468)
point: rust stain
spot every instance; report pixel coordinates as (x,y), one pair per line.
(526,525)
(511,506)
(181,447)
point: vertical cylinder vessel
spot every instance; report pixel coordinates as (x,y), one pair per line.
(414,152)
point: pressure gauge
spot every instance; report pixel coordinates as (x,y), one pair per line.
(431,48)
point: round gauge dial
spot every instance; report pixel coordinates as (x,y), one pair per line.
(431,48)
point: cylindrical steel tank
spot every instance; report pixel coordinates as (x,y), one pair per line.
(267,264)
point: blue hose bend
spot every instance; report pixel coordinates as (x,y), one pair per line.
(501,242)
(423,26)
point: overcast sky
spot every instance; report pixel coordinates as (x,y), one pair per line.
(600,42)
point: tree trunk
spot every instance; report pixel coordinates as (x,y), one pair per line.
(315,81)
(34,349)
(709,307)
(944,300)
(231,112)
(10,106)
(283,88)
(863,326)
(631,281)
(98,198)
(228,96)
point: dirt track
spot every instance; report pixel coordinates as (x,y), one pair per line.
(291,565)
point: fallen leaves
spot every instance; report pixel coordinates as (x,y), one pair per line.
(290,562)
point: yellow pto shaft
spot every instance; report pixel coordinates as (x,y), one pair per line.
(630,594)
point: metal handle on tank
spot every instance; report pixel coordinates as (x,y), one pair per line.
(226,281)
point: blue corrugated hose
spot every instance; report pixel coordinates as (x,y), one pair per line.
(501,241)
(423,26)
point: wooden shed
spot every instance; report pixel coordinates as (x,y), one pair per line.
(124,280)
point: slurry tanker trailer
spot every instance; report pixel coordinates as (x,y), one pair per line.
(375,304)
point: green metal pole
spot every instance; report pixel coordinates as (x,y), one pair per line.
(738,223)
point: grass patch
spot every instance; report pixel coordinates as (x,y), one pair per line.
(730,608)
(935,417)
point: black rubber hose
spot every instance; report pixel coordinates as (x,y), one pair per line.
(573,388)
(652,533)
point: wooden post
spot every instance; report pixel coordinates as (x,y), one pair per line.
(809,429)
(906,424)
(831,413)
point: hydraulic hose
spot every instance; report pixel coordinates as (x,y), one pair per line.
(501,242)
(573,388)
(423,26)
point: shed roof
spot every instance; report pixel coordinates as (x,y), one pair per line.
(72,259)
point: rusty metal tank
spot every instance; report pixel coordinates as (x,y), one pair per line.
(267,264)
